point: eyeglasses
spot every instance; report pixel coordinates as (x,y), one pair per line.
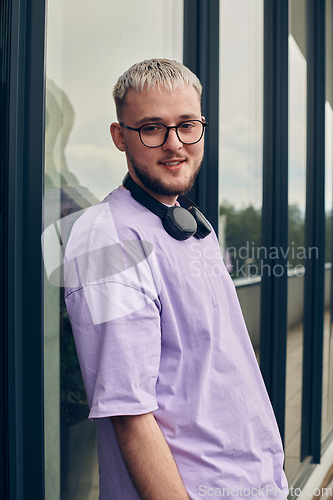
(153,135)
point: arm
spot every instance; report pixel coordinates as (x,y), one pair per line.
(148,458)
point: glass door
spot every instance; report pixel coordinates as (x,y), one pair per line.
(240,152)
(89,44)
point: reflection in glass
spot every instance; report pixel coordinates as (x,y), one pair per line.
(81,167)
(327,397)
(240,151)
(297,195)
(70,437)
(327,404)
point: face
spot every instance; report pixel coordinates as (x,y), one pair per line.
(170,169)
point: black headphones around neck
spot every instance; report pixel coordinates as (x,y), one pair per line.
(180,222)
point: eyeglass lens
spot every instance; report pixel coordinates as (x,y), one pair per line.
(153,134)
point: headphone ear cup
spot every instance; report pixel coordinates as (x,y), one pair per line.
(204,228)
(179,223)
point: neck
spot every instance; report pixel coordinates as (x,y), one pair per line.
(165,199)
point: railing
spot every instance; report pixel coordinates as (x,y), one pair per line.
(248,291)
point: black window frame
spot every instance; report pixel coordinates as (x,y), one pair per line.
(273,338)
(201,55)
(23,285)
(314,279)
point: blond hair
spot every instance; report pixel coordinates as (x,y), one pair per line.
(153,73)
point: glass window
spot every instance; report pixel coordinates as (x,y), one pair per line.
(297,195)
(240,151)
(327,402)
(89,44)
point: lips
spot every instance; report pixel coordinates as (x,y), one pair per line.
(174,163)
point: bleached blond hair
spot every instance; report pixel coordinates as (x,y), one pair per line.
(153,73)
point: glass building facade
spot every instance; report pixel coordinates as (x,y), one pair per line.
(266,186)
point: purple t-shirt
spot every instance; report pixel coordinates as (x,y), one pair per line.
(158,328)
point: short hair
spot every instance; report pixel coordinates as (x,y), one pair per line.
(153,73)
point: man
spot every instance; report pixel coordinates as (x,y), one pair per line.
(167,363)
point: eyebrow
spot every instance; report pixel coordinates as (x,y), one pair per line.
(149,119)
(154,119)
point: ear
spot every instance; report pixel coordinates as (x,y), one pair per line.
(203,118)
(117,136)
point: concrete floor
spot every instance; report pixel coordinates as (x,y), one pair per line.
(320,484)
(293,400)
(294,393)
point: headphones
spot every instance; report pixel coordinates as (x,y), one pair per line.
(179,222)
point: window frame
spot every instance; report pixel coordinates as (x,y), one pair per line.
(201,55)
(22,241)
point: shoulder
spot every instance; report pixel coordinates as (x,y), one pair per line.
(105,254)
(114,219)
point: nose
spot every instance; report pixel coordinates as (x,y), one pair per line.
(172,143)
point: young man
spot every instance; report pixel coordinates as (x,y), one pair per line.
(167,363)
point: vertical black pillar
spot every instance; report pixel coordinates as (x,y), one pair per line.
(273,327)
(4,96)
(201,55)
(314,233)
(24,286)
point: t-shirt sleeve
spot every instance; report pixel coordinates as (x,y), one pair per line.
(120,358)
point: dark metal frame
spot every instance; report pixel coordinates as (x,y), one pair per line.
(275,218)
(329,50)
(4,91)
(201,55)
(24,280)
(273,324)
(314,233)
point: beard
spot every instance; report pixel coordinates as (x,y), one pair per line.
(157,186)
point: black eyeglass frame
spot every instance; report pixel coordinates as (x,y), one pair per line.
(204,124)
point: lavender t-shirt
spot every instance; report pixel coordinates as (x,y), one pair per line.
(158,328)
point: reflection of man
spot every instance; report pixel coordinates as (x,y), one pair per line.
(176,372)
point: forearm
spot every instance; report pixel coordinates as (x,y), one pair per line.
(148,458)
